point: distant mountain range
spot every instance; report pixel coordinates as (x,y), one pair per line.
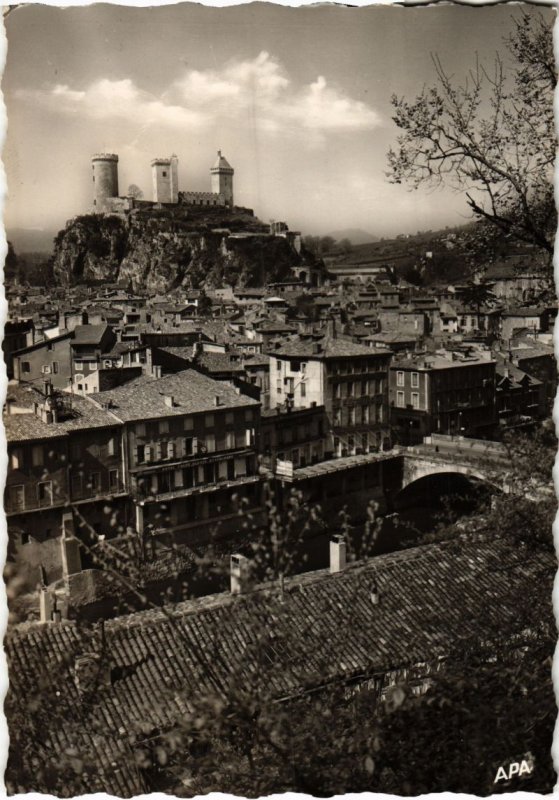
(355,236)
(31,240)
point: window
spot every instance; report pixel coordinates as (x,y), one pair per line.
(188,446)
(141,430)
(351,415)
(229,418)
(44,493)
(399,378)
(164,174)
(210,443)
(400,399)
(229,440)
(16,458)
(55,367)
(415,380)
(162,447)
(45,369)
(37,455)
(95,482)
(17,497)
(209,421)
(111,447)
(303,390)
(171,450)
(78,366)
(50,347)
(240,467)
(278,365)
(163,426)
(113,479)
(25,366)
(188,424)
(76,484)
(415,399)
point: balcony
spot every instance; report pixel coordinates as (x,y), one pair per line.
(191,491)
(191,460)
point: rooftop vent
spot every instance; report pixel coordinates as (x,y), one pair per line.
(217,400)
(169,401)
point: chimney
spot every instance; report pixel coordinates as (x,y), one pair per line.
(169,400)
(45,605)
(69,547)
(240,571)
(156,370)
(338,553)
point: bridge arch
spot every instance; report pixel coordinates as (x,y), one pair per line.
(430,484)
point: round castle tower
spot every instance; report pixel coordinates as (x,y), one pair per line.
(105,178)
(222,178)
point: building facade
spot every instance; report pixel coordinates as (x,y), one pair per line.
(350,380)
(442,394)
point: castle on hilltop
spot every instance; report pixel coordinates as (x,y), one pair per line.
(106,198)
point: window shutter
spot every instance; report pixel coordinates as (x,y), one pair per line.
(170,450)
(194,445)
(158,451)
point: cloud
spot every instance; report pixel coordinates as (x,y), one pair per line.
(105,99)
(258,89)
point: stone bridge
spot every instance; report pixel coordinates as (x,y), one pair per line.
(476,459)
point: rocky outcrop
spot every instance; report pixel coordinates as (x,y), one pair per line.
(159,249)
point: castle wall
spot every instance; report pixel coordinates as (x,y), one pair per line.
(202,199)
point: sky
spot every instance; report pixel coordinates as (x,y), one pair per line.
(298,100)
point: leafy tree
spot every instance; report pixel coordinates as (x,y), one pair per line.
(135,192)
(492,136)
(204,305)
(345,246)
(477,295)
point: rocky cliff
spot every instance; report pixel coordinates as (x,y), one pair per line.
(158,249)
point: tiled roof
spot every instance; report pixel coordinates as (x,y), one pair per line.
(192,392)
(434,601)
(89,334)
(28,427)
(219,362)
(516,375)
(329,348)
(424,363)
